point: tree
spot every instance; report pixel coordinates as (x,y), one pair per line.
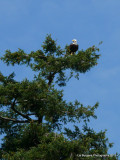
(32,111)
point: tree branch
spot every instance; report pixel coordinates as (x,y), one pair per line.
(14,120)
(50,77)
(21,114)
(42,57)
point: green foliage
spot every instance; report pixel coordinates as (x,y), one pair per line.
(32,111)
(52,60)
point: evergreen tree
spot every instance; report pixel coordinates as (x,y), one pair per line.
(32,113)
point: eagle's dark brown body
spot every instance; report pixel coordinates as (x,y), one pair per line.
(73,47)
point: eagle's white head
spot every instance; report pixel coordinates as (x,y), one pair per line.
(74,41)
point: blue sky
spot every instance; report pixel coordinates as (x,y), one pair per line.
(25,23)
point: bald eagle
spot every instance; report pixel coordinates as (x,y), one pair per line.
(73,47)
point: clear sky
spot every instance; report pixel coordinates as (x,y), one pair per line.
(25,23)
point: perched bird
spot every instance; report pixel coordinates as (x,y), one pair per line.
(73,47)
